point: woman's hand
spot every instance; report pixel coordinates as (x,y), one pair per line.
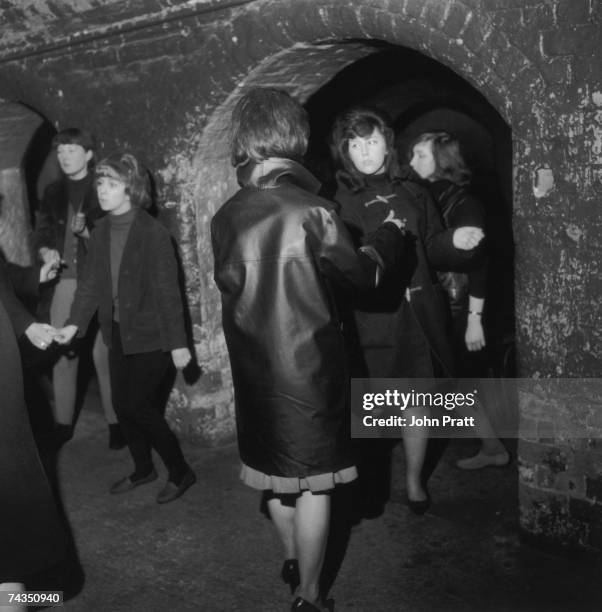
(181,357)
(391,218)
(40,335)
(50,256)
(467,237)
(78,224)
(49,272)
(474,336)
(66,334)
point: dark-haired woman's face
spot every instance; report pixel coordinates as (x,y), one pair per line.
(112,195)
(73,160)
(368,153)
(423,160)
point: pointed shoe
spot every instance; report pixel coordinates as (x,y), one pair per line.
(127,484)
(302,605)
(419,507)
(172,491)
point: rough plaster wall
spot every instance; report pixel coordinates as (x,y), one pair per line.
(157,88)
(17,126)
(15,231)
(558,282)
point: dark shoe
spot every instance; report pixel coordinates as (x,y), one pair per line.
(127,484)
(117,440)
(419,506)
(290,574)
(172,491)
(302,605)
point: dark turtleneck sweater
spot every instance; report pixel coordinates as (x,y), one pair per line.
(119,231)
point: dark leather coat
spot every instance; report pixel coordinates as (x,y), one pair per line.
(151,315)
(279,250)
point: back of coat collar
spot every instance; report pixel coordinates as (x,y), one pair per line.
(270,172)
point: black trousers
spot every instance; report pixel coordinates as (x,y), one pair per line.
(135,383)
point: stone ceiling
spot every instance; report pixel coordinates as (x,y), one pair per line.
(33,26)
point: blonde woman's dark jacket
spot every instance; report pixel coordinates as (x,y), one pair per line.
(151,315)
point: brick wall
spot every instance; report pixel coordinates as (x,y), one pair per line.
(161,81)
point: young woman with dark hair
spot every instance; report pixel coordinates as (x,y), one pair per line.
(437,159)
(399,331)
(279,249)
(130,279)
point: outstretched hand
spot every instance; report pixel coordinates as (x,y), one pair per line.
(41,335)
(65,334)
(181,357)
(50,256)
(49,271)
(467,237)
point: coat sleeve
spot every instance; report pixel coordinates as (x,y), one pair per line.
(337,257)
(470,212)
(19,316)
(440,249)
(169,294)
(88,292)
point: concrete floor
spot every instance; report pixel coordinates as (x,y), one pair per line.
(212,550)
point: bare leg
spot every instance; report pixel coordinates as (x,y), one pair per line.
(312,518)
(414,443)
(100,354)
(283,518)
(64,373)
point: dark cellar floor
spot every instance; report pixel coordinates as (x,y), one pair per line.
(212,550)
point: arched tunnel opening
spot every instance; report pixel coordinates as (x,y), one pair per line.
(420,95)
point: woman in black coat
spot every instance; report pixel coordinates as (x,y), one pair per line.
(279,249)
(31,535)
(437,159)
(401,329)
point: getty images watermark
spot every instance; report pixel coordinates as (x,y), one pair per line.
(448,408)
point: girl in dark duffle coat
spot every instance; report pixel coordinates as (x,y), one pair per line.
(400,331)
(130,278)
(279,248)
